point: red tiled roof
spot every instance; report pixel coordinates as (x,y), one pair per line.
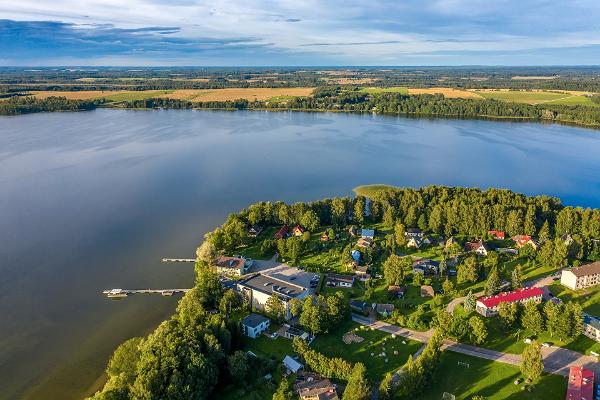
(581,384)
(281,232)
(497,234)
(517,295)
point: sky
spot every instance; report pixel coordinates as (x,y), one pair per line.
(298,32)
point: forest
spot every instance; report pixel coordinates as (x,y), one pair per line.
(27,104)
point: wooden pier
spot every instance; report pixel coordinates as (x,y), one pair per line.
(188,260)
(120,293)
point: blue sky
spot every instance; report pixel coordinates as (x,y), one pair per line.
(300,32)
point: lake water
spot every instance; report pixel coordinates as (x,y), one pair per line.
(91,201)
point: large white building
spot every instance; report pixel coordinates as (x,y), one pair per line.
(581,277)
(488,306)
(591,327)
(283,281)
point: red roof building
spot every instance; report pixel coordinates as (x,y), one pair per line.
(282,232)
(524,240)
(497,234)
(298,230)
(488,306)
(581,384)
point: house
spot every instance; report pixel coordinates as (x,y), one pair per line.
(413,232)
(324,237)
(362,271)
(281,232)
(384,310)
(291,333)
(426,266)
(451,241)
(591,327)
(524,240)
(488,306)
(254,231)
(352,231)
(313,387)
(358,306)
(282,281)
(292,365)
(337,280)
(497,234)
(355,255)
(232,266)
(368,234)
(476,247)
(419,269)
(396,291)
(364,242)
(255,324)
(414,242)
(581,384)
(298,230)
(427,291)
(581,277)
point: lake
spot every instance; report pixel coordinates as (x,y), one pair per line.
(94,200)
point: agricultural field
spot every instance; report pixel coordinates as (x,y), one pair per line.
(537,97)
(449,93)
(377,90)
(465,376)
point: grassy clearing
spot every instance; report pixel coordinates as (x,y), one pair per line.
(487,378)
(375,342)
(377,90)
(371,190)
(277,348)
(588,298)
(537,97)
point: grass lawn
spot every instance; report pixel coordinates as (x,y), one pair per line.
(370,190)
(494,380)
(588,298)
(278,348)
(332,345)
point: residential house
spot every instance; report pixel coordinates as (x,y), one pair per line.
(337,280)
(476,247)
(415,242)
(384,310)
(500,235)
(291,333)
(352,230)
(255,324)
(358,306)
(427,291)
(298,230)
(581,384)
(396,291)
(324,237)
(413,232)
(581,277)
(292,365)
(488,306)
(282,232)
(367,234)
(420,269)
(362,271)
(364,242)
(451,241)
(524,240)
(232,266)
(313,387)
(254,231)
(426,266)
(591,327)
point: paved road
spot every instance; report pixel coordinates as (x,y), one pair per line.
(556,359)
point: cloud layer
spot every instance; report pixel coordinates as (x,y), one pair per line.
(286,32)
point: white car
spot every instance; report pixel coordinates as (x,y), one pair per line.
(546,344)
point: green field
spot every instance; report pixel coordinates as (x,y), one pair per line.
(375,90)
(540,97)
(370,190)
(140,95)
(493,380)
(375,342)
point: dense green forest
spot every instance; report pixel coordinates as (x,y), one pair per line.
(25,105)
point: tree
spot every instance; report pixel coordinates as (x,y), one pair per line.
(529,226)
(470,302)
(552,313)
(310,220)
(393,269)
(468,270)
(206,252)
(492,286)
(508,312)
(417,279)
(544,231)
(124,360)
(531,319)
(230,301)
(532,365)
(238,366)
(559,256)
(285,390)
(385,387)
(399,234)
(338,212)
(448,287)
(358,385)
(359,210)
(478,330)
(275,308)
(443,266)
(516,278)
(295,307)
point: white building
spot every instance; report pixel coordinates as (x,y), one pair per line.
(232,266)
(591,327)
(488,306)
(581,277)
(255,324)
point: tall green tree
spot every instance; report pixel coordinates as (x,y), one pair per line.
(359,210)
(400,234)
(386,387)
(532,319)
(516,278)
(492,286)
(532,365)
(358,385)
(478,330)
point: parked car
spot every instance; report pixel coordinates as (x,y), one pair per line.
(546,344)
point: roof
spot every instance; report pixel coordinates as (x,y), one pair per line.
(495,233)
(300,228)
(370,233)
(291,364)
(269,285)
(230,262)
(314,386)
(413,230)
(473,246)
(590,320)
(281,232)
(427,290)
(343,278)
(396,289)
(516,295)
(381,308)
(253,320)
(361,305)
(588,269)
(581,384)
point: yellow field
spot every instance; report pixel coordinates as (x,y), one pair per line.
(447,92)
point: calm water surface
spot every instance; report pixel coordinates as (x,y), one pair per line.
(94,200)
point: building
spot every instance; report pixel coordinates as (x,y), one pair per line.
(384,309)
(292,365)
(298,230)
(426,266)
(591,327)
(414,242)
(291,333)
(359,306)
(427,291)
(476,247)
(232,266)
(254,231)
(324,237)
(313,387)
(281,232)
(364,242)
(500,235)
(396,291)
(283,281)
(581,384)
(255,324)
(581,277)
(524,240)
(488,306)
(367,234)
(337,280)
(413,232)
(362,272)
